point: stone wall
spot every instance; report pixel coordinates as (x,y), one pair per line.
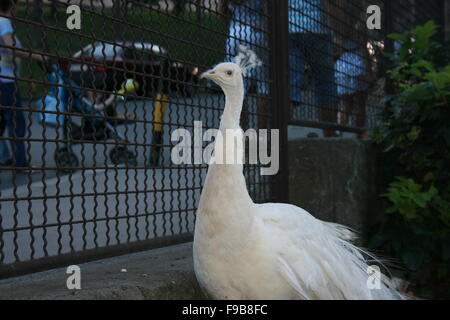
(335,180)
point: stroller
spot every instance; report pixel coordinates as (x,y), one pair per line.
(65,96)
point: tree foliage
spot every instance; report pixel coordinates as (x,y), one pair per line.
(415,137)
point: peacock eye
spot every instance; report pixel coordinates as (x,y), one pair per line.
(229,72)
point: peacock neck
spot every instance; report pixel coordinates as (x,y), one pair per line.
(234,99)
(225,183)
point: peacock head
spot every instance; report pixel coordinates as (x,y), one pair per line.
(227,75)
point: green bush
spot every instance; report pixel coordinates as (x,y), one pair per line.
(415,136)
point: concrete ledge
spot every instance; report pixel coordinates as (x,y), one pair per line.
(165,273)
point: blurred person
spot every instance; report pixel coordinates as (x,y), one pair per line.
(247,28)
(311,42)
(352,76)
(13,120)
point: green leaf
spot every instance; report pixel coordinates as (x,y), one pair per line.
(424,64)
(420,200)
(398,36)
(425,31)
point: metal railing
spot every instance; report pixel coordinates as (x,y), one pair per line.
(77,183)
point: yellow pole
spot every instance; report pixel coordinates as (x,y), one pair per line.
(160,109)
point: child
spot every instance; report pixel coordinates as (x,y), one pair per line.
(100,105)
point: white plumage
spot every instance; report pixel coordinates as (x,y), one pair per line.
(244,250)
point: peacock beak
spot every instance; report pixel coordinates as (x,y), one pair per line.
(210,74)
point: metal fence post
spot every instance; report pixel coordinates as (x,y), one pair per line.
(279,62)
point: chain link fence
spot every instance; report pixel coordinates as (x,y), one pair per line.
(91,95)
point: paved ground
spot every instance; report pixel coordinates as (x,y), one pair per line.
(133,213)
(165,273)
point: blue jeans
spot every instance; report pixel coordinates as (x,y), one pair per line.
(316,50)
(14,122)
(4,151)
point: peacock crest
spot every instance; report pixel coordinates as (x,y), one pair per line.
(246,59)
